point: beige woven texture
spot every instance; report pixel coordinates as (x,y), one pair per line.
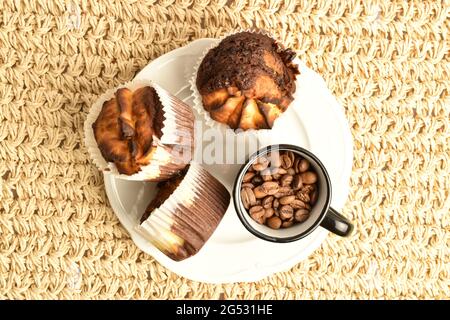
(387,63)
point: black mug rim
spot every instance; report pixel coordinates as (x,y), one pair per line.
(237,194)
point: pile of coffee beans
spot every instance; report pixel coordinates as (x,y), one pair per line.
(279,189)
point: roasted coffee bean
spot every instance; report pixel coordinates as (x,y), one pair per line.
(287,224)
(267,202)
(267,177)
(283,191)
(308,188)
(270,187)
(303,166)
(259,192)
(286,180)
(256,210)
(275,203)
(301,215)
(261,164)
(274,222)
(297,182)
(309,177)
(279,195)
(303,196)
(257,180)
(247,185)
(268,212)
(313,197)
(247,197)
(260,220)
(291,156)
(286,212)
(286,161)
(297,204)
(276,176)
(264,159)
(291,171)
(257,214)
(248,176)
(296,165)
(287,199)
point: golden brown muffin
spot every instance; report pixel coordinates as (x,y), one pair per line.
(125,128)
(247,81)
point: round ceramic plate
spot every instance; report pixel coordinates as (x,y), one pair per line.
(314,121)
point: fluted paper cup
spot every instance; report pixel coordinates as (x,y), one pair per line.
(170,153)
(187,218)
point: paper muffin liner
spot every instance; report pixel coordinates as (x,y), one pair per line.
(259,134)
(186,220)
(174,150)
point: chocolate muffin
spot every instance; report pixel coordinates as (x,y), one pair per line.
(129,132)
(184,212)
(247,81)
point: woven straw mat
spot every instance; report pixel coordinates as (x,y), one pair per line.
(387,64)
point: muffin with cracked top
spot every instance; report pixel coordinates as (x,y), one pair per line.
(140,131)
(247,81)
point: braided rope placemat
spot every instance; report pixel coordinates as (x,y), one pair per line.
(387,63)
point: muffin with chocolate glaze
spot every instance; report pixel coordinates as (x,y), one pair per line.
(247,81)
(184,212)
(140,132)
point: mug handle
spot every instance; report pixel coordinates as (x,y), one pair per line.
(337,223)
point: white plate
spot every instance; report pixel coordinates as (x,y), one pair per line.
(314,121)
